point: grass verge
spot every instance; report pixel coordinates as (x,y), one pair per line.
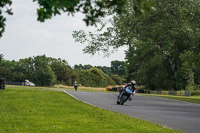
(60,87)
(191,99)
(43,111)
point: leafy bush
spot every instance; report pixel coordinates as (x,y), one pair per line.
(195,93)
(117,79)
(94,77)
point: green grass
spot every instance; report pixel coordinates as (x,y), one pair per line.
(53,88)
(44,111)
(191,99)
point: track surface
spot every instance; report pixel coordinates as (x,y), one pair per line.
(170,113)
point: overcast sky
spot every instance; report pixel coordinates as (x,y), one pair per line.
(25,37)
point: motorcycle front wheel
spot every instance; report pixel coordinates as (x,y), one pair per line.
(124,98)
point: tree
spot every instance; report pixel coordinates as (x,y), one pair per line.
(27,68)
(94,77)
(11,70)
(62,70)
(1,57)
(4,8)
(47,71)
(163,45)
(92,9)
(6,68)
(75,76)
(38,70)
(43,73)
(166,38)
(78,67)
(117,79)
(81,67)
(109,38)
(105,69)
(118,67)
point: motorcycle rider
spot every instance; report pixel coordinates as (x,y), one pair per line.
(128,90)
(75,86)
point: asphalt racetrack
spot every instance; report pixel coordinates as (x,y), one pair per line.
(174,114)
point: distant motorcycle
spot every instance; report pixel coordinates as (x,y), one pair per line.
(123,96)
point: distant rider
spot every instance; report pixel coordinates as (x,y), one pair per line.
(75,86)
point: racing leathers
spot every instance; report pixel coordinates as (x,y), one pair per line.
(128,90)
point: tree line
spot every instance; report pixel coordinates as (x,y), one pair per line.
(47,71)
(163,43)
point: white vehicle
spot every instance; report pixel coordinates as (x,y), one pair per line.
(28,83)
(31,84)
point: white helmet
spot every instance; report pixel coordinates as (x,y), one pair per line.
(133,82)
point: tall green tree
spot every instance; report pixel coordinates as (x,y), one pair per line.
(27,68)
(163,46)
(11,70)
(118,67)
(170,32)
(43,73)
(62,70)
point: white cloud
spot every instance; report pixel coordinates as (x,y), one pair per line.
(25,37)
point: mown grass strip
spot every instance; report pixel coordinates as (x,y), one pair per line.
(191,99)
(53,88)
(44,111)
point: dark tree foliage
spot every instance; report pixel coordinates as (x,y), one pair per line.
(1,57)
(95,78)
(166,48)
(38,70)
(4,8)
(105,69)
(92,9)
(117,79)
(9,70)
(118,67)
(80,67)
(62,71)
